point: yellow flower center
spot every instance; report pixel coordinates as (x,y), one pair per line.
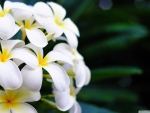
(42,61)
(5,55)
(3,13)
(57,21)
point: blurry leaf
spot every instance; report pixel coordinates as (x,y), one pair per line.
(88,108)
(81,9)
(111,94)
(18,35)
(127,37)
(112,72)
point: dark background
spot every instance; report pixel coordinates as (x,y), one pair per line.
(115,43)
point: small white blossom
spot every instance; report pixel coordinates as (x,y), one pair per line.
(32,78)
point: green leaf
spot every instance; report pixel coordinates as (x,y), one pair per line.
(111,94)
(112,72)
(127,36)
(88,108)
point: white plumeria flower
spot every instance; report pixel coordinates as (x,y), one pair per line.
(35,35)
(82,72)
(13,101)
(32,79)
(7,22)
(54,22)
(10,75)
(67,100)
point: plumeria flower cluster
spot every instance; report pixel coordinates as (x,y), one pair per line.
(23,62)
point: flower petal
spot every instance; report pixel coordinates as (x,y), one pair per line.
(10,75)
(36,37)
(37,50)
(11,44)
(65,49)
(43,9)
(4,108)
(68,24)
(88,75)
(7,5)
(63,100)
(58,75)
(22,108)
(75,108)
(72,39)
(32,78)
(25,95)
(21,11)
(25,55)
(80,71)
(7,26)
(52,27)
(59,11)
(58,56)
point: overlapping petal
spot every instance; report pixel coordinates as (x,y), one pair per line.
(58,10)
(21,11)
(63,100)
(58,75)
(64,48)
(7,26)
(58,56)
(68,24)
(72,39)
(52,27)
(22,108)
(75,108)
(25,55)
(25,95)
(32,78)
(36,37)
(11,44)
(11,77)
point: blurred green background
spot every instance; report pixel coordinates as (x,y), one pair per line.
(115,44)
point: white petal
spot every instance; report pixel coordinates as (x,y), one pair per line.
(52,27)
(65,49)
(58,56)
(80,74)
(4,108)
(32,78)
(88,75)
(43,9)
(75,108)
(22,11)
(25,55)
(11,44)
(72,39)
(63,100)
(22,108)
(36,37)
(25,95)
(17,61)
(7,26)
(10,75)
(68,24)
(7,5)
(1,10)
(37,50)
(59,76)
(58,10)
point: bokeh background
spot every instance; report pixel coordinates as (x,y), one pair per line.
(115,43)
